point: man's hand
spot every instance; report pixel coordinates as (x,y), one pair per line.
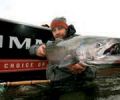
(41,51)
(77,68)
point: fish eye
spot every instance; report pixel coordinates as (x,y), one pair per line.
(98,45)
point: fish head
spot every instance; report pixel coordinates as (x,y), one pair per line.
(107,47)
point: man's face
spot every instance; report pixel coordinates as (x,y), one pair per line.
(59,32)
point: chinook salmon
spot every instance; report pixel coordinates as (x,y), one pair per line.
(85,50)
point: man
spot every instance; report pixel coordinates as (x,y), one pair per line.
(62,78)
(59,29)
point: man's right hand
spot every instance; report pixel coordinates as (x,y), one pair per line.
(41,51)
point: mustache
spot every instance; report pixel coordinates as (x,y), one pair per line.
(59,36)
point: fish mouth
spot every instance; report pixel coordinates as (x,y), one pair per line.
(113,50)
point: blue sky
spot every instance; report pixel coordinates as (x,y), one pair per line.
(90,17)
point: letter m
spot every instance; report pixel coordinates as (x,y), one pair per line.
(26,42)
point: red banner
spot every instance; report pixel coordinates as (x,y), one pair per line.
(18,65)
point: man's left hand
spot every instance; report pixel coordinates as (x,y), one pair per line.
(77,68)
